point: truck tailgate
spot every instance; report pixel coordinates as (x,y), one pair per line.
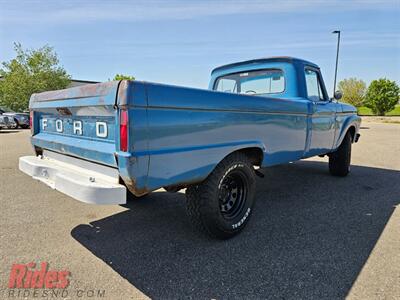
(79,121)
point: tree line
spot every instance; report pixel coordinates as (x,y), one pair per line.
(381,96)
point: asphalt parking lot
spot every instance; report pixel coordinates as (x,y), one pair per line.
(312,236)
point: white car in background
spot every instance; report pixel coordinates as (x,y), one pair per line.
(18,119)
(7,122)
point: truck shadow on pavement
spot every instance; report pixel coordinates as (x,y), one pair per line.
(309,237)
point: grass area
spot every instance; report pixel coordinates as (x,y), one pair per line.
(395,111)
(365,111)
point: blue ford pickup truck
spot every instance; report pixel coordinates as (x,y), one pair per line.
(97,142)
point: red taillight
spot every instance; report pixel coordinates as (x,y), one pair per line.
(123,130)
(31,121)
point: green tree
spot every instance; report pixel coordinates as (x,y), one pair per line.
(123,77)
(382,96)
(353,91)
(31,71)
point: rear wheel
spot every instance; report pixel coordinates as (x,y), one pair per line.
(339,161)
(222,204)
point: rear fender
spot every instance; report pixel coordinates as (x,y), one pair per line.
(182,167)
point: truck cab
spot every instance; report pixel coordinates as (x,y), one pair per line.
(296,80)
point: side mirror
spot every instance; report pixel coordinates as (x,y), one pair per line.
(338,95)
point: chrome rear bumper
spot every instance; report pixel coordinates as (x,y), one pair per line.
(85,181)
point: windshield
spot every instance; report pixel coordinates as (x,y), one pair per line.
(258,82)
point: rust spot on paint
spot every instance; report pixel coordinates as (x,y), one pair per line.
(131,185)
(123,92)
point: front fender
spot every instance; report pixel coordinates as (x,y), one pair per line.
(344,123)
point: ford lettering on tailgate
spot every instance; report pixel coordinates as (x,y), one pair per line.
(85,127)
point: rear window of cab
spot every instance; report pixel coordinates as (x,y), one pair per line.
(257,82)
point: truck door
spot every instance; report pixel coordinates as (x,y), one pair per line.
(323,114)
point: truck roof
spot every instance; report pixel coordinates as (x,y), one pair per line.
(266,60)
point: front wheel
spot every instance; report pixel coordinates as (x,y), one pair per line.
(339,161)
(222,204)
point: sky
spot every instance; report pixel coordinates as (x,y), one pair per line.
(180,42)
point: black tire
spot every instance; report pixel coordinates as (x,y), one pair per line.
(222,204)
(339,161)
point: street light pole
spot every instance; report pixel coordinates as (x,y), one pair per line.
(337,59)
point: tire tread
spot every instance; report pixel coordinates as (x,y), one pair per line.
(198,197)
